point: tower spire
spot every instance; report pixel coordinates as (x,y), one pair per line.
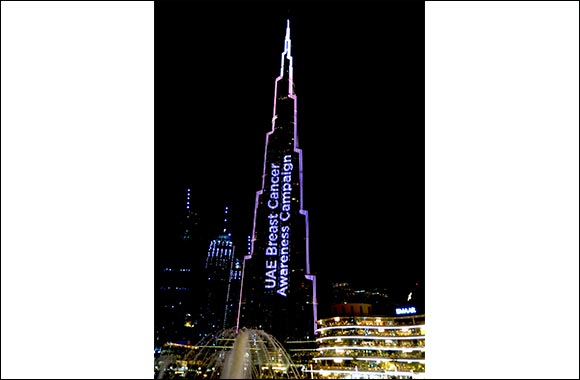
(278,289)
(286,64)
(225,232)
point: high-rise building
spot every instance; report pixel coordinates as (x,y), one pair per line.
(175,280)
(223,273)
(233,294)
(279,290)
(190,221)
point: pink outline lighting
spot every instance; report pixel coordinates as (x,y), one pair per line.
(310,277)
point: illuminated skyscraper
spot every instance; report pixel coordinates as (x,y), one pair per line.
(220,250)
(279,292)
(223,272)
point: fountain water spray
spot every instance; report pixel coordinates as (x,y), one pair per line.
(249,354)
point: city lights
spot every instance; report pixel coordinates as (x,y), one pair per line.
(258,314)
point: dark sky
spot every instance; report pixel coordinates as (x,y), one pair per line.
(359,78)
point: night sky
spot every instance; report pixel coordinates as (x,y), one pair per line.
(359,77)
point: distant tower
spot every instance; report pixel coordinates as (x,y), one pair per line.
(191,220)
(220,250)
(175,279)
(279,291)
(223,278)
(233,294)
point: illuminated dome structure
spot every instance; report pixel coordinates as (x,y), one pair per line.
(249,354)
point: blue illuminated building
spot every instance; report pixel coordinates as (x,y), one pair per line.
(223,274)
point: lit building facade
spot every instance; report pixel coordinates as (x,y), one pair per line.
(223,273)
(279,292)
(370,347)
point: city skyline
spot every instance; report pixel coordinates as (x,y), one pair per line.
(104,100)
(344,87)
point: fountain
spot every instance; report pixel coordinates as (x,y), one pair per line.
(237,363)
(249,354)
